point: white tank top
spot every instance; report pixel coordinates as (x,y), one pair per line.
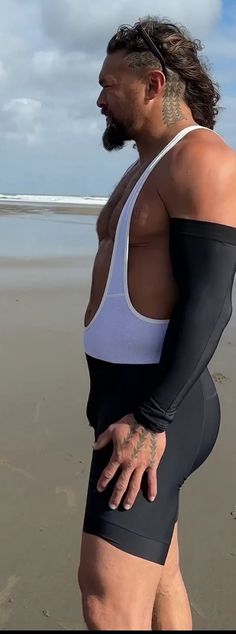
(117,332)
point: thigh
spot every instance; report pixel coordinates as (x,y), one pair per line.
(118,579)
(171,567)
(145,531)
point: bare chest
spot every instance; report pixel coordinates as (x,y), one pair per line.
(149,218)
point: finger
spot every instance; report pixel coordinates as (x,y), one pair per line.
(152,483)
(120,488)
(103,440)
(108,473)
(134,488)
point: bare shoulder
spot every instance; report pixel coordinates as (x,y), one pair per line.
(203,171)
(203,150)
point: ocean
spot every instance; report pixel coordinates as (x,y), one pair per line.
(47,240)
(47,226)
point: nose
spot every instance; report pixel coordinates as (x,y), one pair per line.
(101,101)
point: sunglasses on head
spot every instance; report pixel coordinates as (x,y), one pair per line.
(152,47)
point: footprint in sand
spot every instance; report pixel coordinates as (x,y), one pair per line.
(70,496)
(219,377)
(6,599)
(12,467)
(233,512)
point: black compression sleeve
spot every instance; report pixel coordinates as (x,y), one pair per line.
(203,256)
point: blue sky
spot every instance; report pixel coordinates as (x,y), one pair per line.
(50,56)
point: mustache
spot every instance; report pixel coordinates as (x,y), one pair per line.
(105,112)
(113,122)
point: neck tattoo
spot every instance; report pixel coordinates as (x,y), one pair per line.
(173,100)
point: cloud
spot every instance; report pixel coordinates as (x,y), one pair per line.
(223,46)
(51,52)
(81,25)
(18,27)
(20,120)
(54,69)
(75,37)
(3,71)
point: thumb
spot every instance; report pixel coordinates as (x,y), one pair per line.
(103,439)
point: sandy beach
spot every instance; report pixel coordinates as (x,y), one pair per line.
(46,446)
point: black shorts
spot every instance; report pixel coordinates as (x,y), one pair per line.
(146,529)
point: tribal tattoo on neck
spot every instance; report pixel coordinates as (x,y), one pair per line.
(172,110)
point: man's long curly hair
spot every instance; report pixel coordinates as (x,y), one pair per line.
(180,53)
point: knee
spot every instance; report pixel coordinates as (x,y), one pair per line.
(103,613)
(97,604)
(94,611)
(103,609)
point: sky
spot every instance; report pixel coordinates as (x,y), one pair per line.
(51,52)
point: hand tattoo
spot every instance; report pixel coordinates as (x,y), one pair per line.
(143,434)
(153,445)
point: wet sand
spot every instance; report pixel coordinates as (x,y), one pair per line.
(44,465)
(59,208)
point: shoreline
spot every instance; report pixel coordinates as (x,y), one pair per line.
(53,207)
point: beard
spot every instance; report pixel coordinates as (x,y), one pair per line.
(115,136)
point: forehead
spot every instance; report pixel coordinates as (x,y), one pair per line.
(115,65)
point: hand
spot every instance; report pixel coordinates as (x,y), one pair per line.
(136,450)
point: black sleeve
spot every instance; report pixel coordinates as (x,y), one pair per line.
(203,257)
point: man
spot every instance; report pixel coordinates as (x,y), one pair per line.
(160,300)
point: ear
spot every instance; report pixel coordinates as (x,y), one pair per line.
(155,82)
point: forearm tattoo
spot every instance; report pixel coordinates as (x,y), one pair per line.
(173,100)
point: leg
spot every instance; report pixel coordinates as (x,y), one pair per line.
(171,608)
(118,589)
(123,552)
